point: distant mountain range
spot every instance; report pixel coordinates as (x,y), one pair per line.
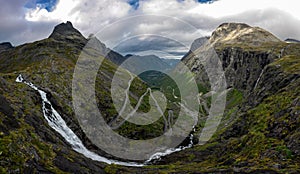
(172,62)
(292,40)
(136,64)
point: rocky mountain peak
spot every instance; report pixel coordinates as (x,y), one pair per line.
(65,31)
(240,33)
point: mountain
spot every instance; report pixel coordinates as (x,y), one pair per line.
(292,40)
(171,62)
(236,39)
(28,143)
(137,64)
(65,32)
(156,67)
(258,133)
(238,33)
(109,54)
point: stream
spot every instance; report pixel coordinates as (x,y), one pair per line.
(56,122)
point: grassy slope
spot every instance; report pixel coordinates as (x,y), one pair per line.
(49,65)
(261,138)
(255,149)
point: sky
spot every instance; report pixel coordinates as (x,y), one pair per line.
(163,27)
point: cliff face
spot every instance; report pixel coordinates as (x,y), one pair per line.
(259,133)
(243,67)
(244,51)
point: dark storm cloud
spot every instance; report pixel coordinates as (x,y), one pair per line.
(160,45)
(11,18)
(149,43)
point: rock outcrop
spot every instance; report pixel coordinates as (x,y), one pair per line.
(66,32)
(5,46)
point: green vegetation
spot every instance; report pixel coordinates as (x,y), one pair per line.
(271,47)
(23,145)
(254,151)
(289,63)
(259,137)
(234,97)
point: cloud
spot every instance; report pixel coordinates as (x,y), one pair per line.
(64,10)
(142,45)
(123,21)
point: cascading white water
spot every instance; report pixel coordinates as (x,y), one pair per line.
(259,77)
(158,155)
(55,121)
(174,94)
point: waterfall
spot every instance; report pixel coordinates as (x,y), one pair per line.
(56,122)
(260,75)
(158,155)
